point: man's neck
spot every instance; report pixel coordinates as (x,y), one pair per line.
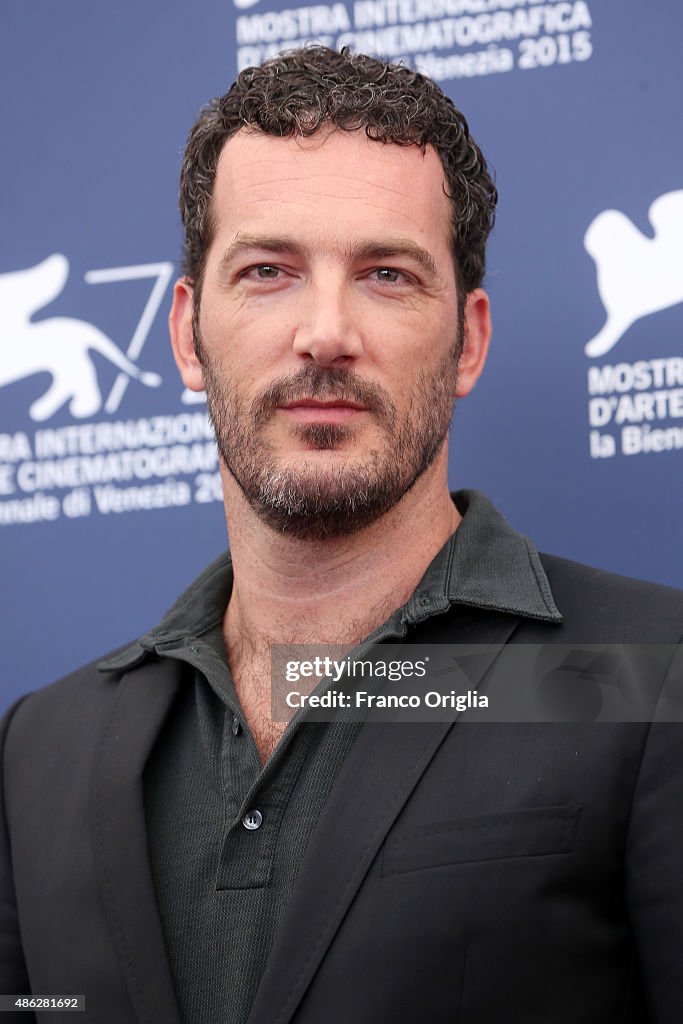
(287,590)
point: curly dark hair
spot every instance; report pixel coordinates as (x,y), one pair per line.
(298,93)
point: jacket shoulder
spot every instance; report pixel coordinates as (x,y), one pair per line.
(68,708)
(615,609)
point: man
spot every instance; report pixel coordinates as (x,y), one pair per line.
(174,852)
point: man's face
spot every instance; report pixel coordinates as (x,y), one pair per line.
(329,326)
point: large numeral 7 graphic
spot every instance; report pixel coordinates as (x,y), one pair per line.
(162,273)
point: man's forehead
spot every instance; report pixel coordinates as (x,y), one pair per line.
(328,150)
(334,182)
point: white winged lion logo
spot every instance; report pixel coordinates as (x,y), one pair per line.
(637,275)
(60,346)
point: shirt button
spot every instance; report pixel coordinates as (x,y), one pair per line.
(252,820)
(236,726)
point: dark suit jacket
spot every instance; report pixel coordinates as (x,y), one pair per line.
(461,872)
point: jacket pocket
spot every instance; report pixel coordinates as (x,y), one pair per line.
(531,833)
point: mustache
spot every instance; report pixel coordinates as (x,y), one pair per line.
(323,384)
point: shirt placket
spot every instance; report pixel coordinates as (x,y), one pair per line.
(255,797)
(254,823)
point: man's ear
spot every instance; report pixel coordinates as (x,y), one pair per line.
(182,338)
(475,341)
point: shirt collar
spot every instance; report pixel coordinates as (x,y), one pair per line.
(487,564)
(484,564)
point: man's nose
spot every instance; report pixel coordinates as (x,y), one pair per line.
(328,330)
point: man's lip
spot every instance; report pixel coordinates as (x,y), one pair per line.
(315,403)
(316,410)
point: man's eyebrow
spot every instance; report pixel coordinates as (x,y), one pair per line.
(391,248)
(357,252)
(264,243)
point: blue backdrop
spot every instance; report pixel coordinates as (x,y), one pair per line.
(108,495)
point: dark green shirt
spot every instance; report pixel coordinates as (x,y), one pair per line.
(226,835)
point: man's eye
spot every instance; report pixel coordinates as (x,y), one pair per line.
(388,276)
(266,272)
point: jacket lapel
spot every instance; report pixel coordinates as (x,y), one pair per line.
(120,841)
(381,771)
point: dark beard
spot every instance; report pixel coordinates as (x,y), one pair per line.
(312,502)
